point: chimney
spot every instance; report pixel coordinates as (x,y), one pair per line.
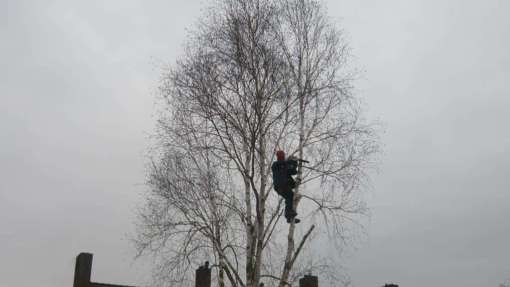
(82,270)
(203,276)
(309,281)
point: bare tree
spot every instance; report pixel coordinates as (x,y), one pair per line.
(257,75)
(505,284)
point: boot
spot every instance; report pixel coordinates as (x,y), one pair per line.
(295,220)
(291,217)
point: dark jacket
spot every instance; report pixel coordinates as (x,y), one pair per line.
(282,173)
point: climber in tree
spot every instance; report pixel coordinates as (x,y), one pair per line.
(284,183)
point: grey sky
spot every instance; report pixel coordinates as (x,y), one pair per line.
(77,86)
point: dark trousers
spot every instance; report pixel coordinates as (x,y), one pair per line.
(288,195)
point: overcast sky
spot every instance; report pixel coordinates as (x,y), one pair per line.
(77,87)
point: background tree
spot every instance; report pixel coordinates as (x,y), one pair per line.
(256,76)
(505,284)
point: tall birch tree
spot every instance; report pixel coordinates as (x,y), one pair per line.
(256,76)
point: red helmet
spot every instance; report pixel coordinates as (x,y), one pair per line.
(280,155)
